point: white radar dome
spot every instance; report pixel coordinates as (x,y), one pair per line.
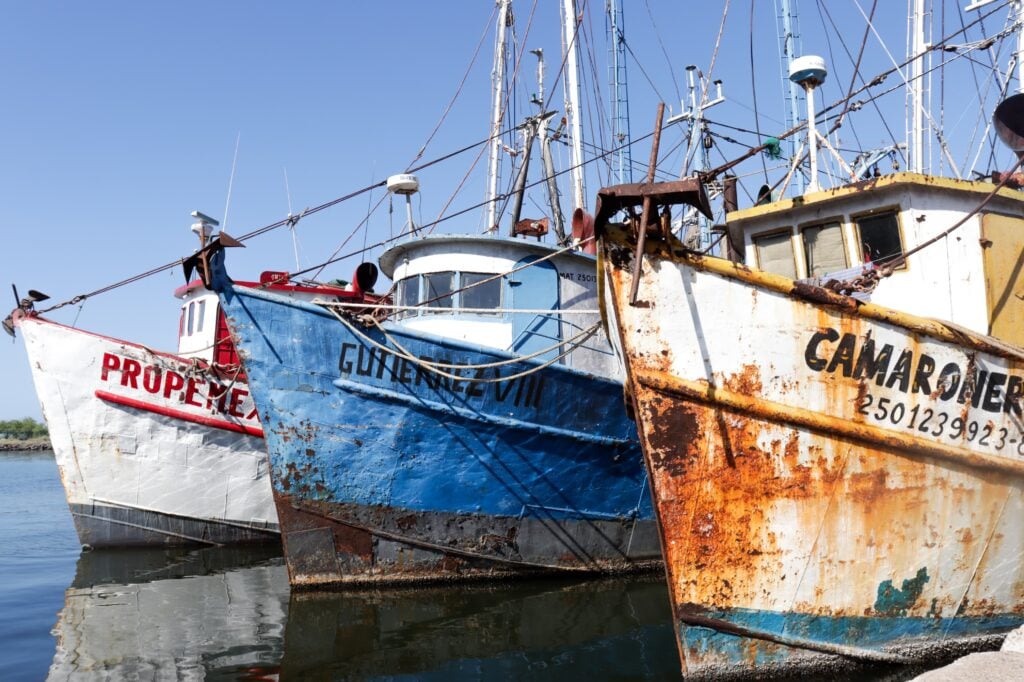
(404,183)
(808,68)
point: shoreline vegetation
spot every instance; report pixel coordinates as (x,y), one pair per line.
(23,434)
(28,444)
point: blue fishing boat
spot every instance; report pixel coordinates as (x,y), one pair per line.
(480,435)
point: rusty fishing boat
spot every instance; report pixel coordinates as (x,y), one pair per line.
(835,479)
(156,448)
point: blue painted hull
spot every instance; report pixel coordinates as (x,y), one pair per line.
(385,472)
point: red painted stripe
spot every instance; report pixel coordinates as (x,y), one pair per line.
(179,414)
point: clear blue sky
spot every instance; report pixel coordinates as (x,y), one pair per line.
(119,118)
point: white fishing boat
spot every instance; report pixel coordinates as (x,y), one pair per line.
(157,448)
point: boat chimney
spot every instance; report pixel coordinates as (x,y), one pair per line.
(809,72)
(407,184)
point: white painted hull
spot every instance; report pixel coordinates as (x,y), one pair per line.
(152,450)
(823,481)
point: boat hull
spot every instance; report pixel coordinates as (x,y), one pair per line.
(152,450)
(384,472)
(830,479)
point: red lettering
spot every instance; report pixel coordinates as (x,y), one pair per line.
(130,373)
(110,362)
(190,392)
(216,391)
(173,382)
(237,396)
(253,414)
(151,379)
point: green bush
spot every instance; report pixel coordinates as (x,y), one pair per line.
(22,429)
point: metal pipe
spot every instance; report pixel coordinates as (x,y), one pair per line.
(645,213)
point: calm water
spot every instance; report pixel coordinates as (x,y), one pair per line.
(228,614)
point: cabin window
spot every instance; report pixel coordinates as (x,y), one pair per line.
(439,286)
(408,294)
(200,315)
(824,248)
(181,322)
(775,253)
(879,237)
(481,290)
(191,316)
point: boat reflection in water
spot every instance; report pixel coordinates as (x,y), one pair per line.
(614,628)
(226,613)
(155,614)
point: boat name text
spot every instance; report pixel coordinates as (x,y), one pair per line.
(198,392)
(913,372)
(522,391)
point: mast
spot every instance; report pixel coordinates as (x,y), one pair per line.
(572,100)
(550,177)
(916,92)
(620,94)
(789,46)
(497,111)
(1017,6)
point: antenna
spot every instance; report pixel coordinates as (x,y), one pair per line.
(407,184)
(231,181)
(809,72)
(620,96)
(291,223)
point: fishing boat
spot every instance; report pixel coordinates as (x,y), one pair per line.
(481,435)
(156,448)
(471,429)
(832,420)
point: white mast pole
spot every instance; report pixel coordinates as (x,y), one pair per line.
(1018,11)
(497,112)
(916,114)
(572,100)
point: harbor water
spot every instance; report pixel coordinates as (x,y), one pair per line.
(221,613)
(227,613)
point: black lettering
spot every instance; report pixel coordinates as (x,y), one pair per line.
(423,374)
(519,390)
(870,365)
(382,364)
(1014,391)
(949,380)
(925,367)
(531,385)
(843,355)
(901,372)
(345,366)
(993,401)
(977,393)
(456,385)
(405,374)
(364,361)
(501,388)
(810,354)
(475,388)
(537,394)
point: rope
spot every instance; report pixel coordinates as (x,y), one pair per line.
(433,367)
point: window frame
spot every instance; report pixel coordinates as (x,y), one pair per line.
(461,288)
(427,308)
(895,209)
(839,220)
(788,231)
